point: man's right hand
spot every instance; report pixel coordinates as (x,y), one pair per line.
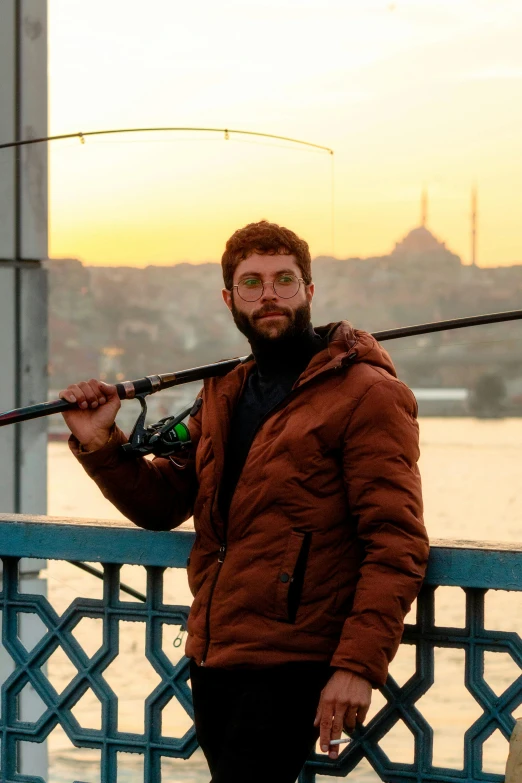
(97,405)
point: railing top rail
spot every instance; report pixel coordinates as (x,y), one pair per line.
(490,546)
(111,525)
(479,564)
(35,519)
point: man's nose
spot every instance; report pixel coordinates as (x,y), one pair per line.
(269,293)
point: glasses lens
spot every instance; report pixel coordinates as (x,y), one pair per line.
(286,286)
(250,289)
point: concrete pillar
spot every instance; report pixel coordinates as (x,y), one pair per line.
(23,291)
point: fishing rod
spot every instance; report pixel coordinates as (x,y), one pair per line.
(167,427)
(128,390)
(82,135)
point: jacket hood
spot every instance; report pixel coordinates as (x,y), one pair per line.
(347,345)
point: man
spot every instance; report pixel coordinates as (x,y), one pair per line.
(306,498)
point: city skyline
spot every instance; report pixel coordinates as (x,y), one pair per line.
(409,95)
(419,239)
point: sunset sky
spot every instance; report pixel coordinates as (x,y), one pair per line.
(409,94)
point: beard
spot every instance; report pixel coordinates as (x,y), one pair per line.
(298,322)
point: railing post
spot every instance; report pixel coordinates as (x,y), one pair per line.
(23,293)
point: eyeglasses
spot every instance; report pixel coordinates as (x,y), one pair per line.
(252,288)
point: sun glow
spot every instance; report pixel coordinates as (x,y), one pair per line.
(409,94)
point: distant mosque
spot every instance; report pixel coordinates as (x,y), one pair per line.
(423,247)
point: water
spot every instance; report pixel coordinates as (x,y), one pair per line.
(471,473)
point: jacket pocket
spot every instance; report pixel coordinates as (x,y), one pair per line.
(291,576)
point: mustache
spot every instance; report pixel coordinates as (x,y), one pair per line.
(271,310)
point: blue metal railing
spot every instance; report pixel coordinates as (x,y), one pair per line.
(474,566)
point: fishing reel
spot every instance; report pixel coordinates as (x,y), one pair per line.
(167,437)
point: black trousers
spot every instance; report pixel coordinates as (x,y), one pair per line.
(256,725)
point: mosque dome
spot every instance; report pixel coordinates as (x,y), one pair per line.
(421,246)
(418,240)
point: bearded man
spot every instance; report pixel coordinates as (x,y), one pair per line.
(306,497)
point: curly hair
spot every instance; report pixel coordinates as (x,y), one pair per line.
(267,239)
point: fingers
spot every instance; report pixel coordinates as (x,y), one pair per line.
(332,718)
(88,394)
(325,725)
(336,729)
(345,700)
(108,390)
(317,718)
(349,719)
(362,712)
(73,393)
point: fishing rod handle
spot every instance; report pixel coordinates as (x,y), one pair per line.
(126,391)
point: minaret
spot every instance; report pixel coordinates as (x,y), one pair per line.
(474,226)
(424,208)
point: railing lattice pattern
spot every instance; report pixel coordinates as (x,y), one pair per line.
(475,567)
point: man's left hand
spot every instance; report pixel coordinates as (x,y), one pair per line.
(345,701)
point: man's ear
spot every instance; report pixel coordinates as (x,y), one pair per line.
(227,298)
(310,291)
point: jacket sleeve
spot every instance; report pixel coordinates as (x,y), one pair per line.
(155,494)
(381,449)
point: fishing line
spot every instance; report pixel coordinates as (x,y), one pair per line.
(67,585)
(99,575)
(274,146)
(99,143)
(333,205)
(332,179)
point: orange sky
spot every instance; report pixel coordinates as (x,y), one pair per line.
(409,94)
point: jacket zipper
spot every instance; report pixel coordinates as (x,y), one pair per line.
(221,557)
(223,544)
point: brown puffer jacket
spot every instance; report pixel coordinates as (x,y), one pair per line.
(325,548)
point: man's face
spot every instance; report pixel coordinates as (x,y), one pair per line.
(271,317)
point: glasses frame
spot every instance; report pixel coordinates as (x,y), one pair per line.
(272,283)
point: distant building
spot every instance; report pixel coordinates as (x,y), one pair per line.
(421,247)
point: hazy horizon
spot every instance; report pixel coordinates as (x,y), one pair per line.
(145,263)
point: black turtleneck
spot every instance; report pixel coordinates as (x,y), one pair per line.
(278,366)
